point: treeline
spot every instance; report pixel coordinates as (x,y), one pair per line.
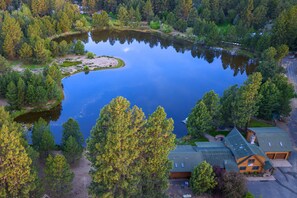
(266,97)
(30,89)
(26,33)
(30,170)
(128,152)
(212,21)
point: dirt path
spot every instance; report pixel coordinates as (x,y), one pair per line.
(3,102)
(81,179)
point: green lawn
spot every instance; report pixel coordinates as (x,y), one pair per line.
(70,63)
(258,123)
(190,141)
(214,133)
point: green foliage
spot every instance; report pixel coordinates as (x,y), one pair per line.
(72,150)
(155,25)
(203,178)
(199,120)
(12,95)
(79,48)
(269,102)
(227,101)
(100,20)
(16,178)
(166,28)
(90,55)
(70,63)
(58,176)
(246,100)
(234,185)
(157,142)
(123,15)
(249,195)
(71,128)
(212,103)
(3,64)
(42,138)
(286,91)
(148,12)
(181,25)
(123,136)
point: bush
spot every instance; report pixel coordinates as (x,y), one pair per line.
(86,68)
(155,25)
(90,55)
(79,48)
(166,28)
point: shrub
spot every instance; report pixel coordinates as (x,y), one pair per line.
(86,68)
(90,55)
(166,28)
(155,25)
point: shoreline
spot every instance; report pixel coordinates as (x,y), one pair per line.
(97,63)
(143,28)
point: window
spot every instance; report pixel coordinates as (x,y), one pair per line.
(182,165)
(175,165)
(251,162)
(255,167)
(242,168)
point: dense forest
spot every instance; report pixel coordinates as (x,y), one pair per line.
(123,135)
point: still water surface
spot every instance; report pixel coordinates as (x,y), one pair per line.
(158,71)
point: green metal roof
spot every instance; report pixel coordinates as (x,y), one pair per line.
(184,158)
(273,139)
(239,146)
(217,154)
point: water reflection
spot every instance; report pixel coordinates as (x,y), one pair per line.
(159,71)
(238,63)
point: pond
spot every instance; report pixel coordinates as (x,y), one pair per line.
(158,71)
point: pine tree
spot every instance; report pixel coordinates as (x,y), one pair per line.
(269,103)
(79,48)
(42,139)
(199,120)
(11,40)
(30,95)
(72,150)
(227,101)
(16,178)
(212,102)
(123,15)
(148,12)
(58,176)
(12,95)
(71,129)
(26,52)
(203,178)
(157,142)
(246,101)
(114,150)
(21,91)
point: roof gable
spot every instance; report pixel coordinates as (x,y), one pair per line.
(273,139)
(239,146)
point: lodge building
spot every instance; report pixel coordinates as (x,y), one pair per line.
(234,153)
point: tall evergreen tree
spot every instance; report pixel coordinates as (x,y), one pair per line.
(199,121)
(148,12)
(16,177)
(269,102)
(246,101)
(203,178)
(114,150)
(11,34)
(212,102)
(157,141)
(21,89)
(58,176)
(12,95)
